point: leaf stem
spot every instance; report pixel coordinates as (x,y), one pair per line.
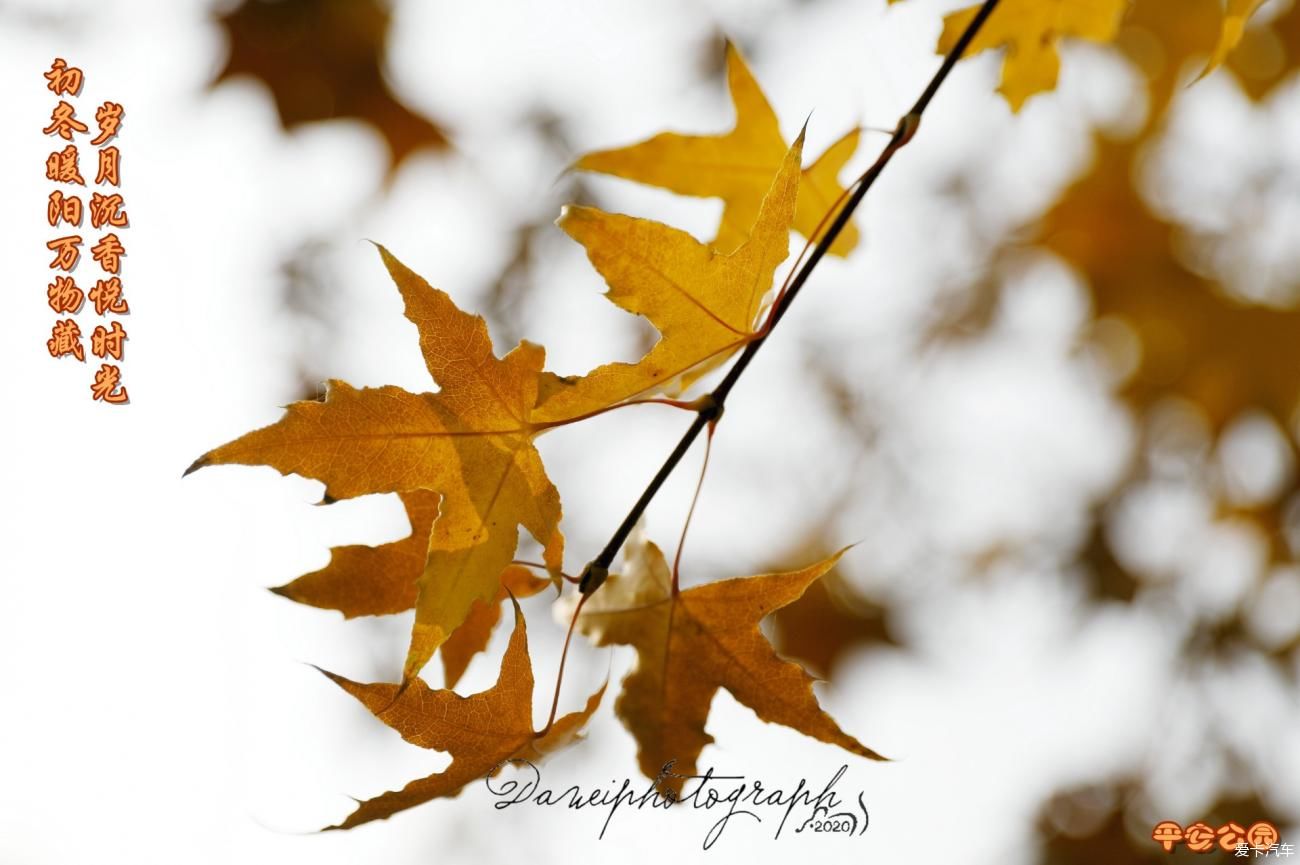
(564,656)
(689,405)
(540,566)
(695,499)
(710,408)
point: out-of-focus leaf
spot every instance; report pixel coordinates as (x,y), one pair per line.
(1030,31)
(827,624)
(1233,29)
(1196,341)
(323,59)
(1165,38)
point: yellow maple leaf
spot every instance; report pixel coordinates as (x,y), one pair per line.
(481,731)
(474,634)
(704,303)
(735,166)
(362,580)
(1234,27)
(691,643)
(471,442)
(1030,31)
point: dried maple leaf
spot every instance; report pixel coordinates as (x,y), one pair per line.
(362,580)
(827,624)
(703,303)
(322,59)
(472,442)
(481,731)
(689,644)
(1030,31)
(473,635)
(735,166)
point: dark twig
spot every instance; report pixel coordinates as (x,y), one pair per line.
(711,406)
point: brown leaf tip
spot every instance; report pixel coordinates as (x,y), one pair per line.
(333,677)
(198,464)
(284,592)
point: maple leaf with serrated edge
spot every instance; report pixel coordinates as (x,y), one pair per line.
(1030,31)
(482,731)
(362,580)
(735,166)
(471,442)
(703,303)
(689,645)
(475,632)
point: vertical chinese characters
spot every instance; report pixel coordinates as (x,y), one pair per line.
(105,210)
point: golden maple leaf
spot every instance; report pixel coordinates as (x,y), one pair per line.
(475,632)
(703,303)
(362,580)
(481,731)
(691,643)
(471,442)
(1030,31)
(735,166)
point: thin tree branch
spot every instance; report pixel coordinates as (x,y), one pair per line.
(711,406)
